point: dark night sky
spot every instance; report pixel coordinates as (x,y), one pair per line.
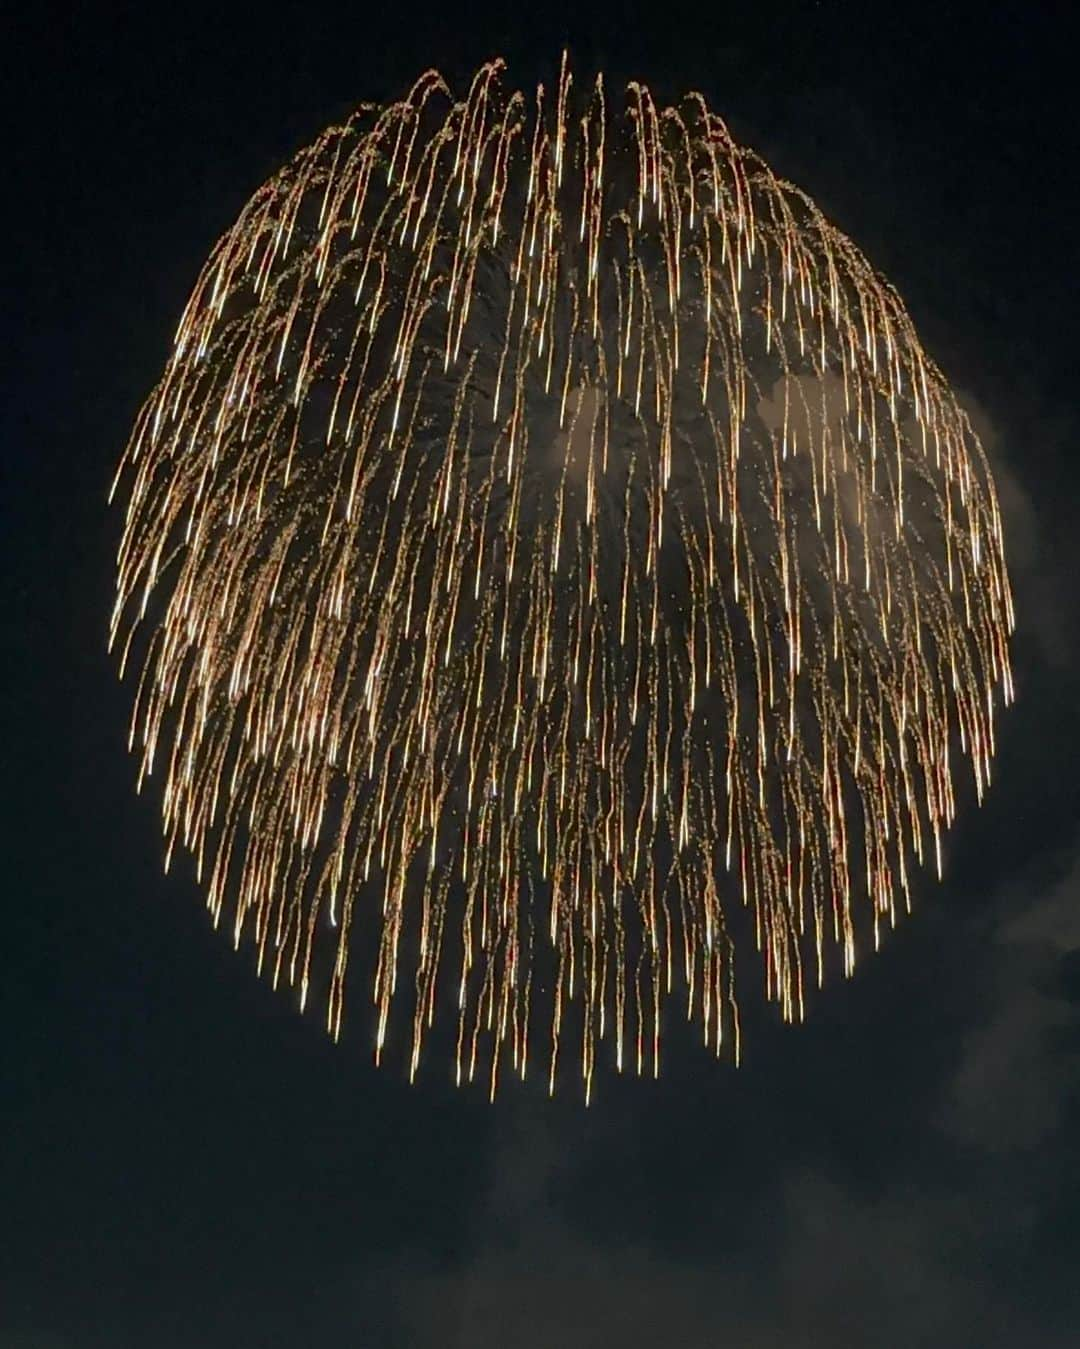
(185,1163)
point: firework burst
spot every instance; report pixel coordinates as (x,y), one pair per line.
(554,565)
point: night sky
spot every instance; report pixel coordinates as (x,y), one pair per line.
(186,1163)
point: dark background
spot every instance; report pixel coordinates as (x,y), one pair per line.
(187,1163)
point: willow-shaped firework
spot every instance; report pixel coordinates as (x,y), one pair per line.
(558,565)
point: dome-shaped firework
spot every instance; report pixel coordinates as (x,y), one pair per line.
(561,569)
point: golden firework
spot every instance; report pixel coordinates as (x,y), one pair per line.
(557,564)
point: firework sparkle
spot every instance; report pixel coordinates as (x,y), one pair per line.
(552,559)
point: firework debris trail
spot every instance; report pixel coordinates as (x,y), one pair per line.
(547,541)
